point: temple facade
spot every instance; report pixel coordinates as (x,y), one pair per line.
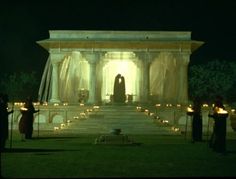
(82,66)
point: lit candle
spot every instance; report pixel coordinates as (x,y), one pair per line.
(222,111)
(23,109)
(96,107)
(189,109)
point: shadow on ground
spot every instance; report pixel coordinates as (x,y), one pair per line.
(26,150)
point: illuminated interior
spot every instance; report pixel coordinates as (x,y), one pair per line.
(74,75)
(168,79)
(120,63)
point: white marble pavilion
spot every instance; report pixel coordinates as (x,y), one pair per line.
(153,63)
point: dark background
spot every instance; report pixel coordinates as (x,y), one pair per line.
(22,23)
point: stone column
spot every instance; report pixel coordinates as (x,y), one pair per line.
(92,58)
(145,58)
(183,78)
(55,59)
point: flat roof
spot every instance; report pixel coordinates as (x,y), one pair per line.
(119,40)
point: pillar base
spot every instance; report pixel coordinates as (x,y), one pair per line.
(54,101)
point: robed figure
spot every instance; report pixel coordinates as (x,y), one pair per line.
(27,119)
(4,120)
(119,89)
(197,121)
(218,138)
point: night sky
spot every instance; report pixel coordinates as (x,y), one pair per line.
(23,23)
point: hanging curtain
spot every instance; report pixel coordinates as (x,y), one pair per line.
(73,76)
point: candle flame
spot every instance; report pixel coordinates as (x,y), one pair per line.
(189,109)
(221,111)
(23,109)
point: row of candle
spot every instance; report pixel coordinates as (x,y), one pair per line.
(146,111)
(62,125)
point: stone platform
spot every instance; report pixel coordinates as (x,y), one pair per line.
(85,119)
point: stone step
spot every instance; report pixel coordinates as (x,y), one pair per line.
(124,117)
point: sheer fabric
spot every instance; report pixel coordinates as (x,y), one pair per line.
(168,77)
(73,76)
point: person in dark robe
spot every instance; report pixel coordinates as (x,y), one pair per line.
(197,120)
(4,127)
(119,89)
(218,138)
(27,119)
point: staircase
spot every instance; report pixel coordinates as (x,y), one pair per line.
(127,118)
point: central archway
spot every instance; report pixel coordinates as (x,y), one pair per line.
(124,63)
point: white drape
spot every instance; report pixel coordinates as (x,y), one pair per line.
(73,76)
(168,77)
(166,83)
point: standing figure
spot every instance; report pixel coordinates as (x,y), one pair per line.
(4,120)
(197,120)
(218,138)
(119,89)
(27,119)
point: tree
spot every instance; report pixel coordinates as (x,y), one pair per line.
(20,85)
(211,79)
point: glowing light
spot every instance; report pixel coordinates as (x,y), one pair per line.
(158,105)
(222,111)
(82,115)
(19,103)
(151,114)
(62,125)
(81,104)
(56,104)
(175,129)
(123,63)
(56,128)
(65,104)
(178,105)
(23,109)
(96,107)
(189,109)
(138,108)
(232,110)
(120,55)
(205,105)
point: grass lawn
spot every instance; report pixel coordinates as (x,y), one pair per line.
(58,155)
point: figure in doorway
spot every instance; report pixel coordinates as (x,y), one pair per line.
(119,89)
